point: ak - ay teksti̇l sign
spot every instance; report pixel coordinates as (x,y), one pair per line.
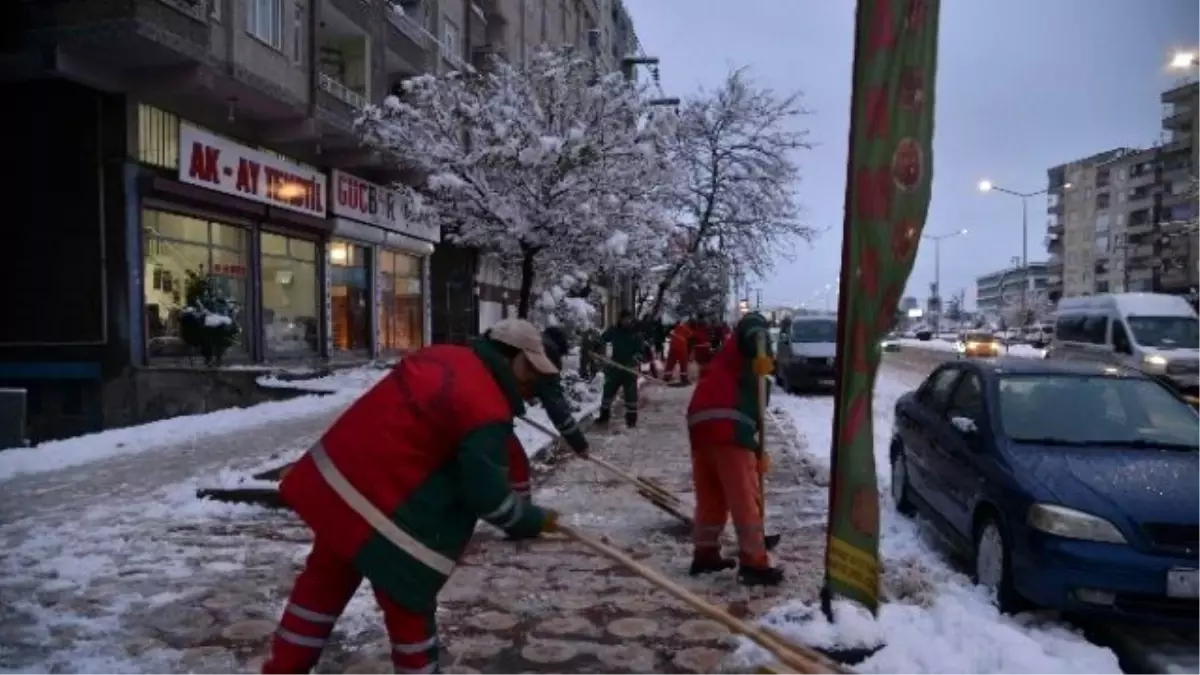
(356,199)
(216,163)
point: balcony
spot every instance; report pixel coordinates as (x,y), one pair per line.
(343,83)
(1177,116)
(409,43)
(111,44)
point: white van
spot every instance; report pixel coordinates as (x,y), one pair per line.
(805,353)
(1154,333)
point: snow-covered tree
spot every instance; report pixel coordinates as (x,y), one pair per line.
(556,167)
(703,286)
(737,147)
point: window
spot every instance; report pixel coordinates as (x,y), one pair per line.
(1103,222)
(450,46)
(967,400)
(298,35)
(814,330)
(350,296)
(1103,200)
(158,137)
(1102,178)
(174,245)
(1119,410)
(264,20)
(401,305)
(214,10)
(936,392)
(289,296)
(1095,330)
(1101,243)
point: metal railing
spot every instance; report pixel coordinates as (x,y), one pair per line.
(342,92)
(409,26)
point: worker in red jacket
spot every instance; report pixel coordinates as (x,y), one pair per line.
(395,487)
(678,352)
(549,392)
(724,434)
(701,343)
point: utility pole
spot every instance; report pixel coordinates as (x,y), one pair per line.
(937,272)
(989,186)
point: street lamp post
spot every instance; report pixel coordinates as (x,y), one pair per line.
(937,271)
(989,186)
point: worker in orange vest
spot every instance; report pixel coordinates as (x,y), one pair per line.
(678,352)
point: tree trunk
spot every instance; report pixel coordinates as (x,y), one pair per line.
(663,285)
(528,254)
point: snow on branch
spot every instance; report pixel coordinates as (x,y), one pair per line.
(737,147)
(557,167)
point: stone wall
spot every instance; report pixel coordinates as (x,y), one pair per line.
(142,395)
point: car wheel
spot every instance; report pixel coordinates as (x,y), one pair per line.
(900,493)
(993,565)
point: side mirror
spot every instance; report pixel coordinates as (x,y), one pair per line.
(965,425)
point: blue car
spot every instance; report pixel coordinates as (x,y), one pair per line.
(1071,485)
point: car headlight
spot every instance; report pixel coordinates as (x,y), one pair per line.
(1071,524)
(1155,362)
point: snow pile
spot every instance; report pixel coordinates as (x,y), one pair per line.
(587,396)
(340,389)
(356,379)
(933,620)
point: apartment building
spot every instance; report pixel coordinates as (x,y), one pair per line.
(997,293)
(165,138)
(1125,219)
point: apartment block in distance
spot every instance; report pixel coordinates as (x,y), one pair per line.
(1125,219)
(163,139)
(999,291)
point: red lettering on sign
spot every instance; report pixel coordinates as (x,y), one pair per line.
(204,163)
(247,176)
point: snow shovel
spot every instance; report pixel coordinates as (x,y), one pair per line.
(266,497)
(770,540)
(795,658)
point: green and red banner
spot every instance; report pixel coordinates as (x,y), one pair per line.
(887,198)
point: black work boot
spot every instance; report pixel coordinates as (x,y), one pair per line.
(759,576)
(710,562)
(631,419)
(603,417)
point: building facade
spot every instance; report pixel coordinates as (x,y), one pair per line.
(999,293)
(1125,219)
(171,138)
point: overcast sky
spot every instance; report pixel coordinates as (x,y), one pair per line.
(1023,85)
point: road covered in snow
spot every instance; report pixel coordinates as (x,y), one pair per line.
(112,565)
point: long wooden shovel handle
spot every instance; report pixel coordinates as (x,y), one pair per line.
(637,482)
(796,657)
(627,476)
(627,369)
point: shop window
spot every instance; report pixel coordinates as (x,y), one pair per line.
(401,306)
(173,246)
(289,296)
(350,296)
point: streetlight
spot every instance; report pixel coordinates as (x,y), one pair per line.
(1182,60)
(937,270)
(989,186)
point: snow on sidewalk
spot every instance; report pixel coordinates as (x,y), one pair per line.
(335,391)
(163,582)
(934,619)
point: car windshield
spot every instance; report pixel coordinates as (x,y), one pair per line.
(980,337)
(820,330)
(1167,332)
(1118,411)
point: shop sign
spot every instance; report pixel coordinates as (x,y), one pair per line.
(364,201)
(219,164)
